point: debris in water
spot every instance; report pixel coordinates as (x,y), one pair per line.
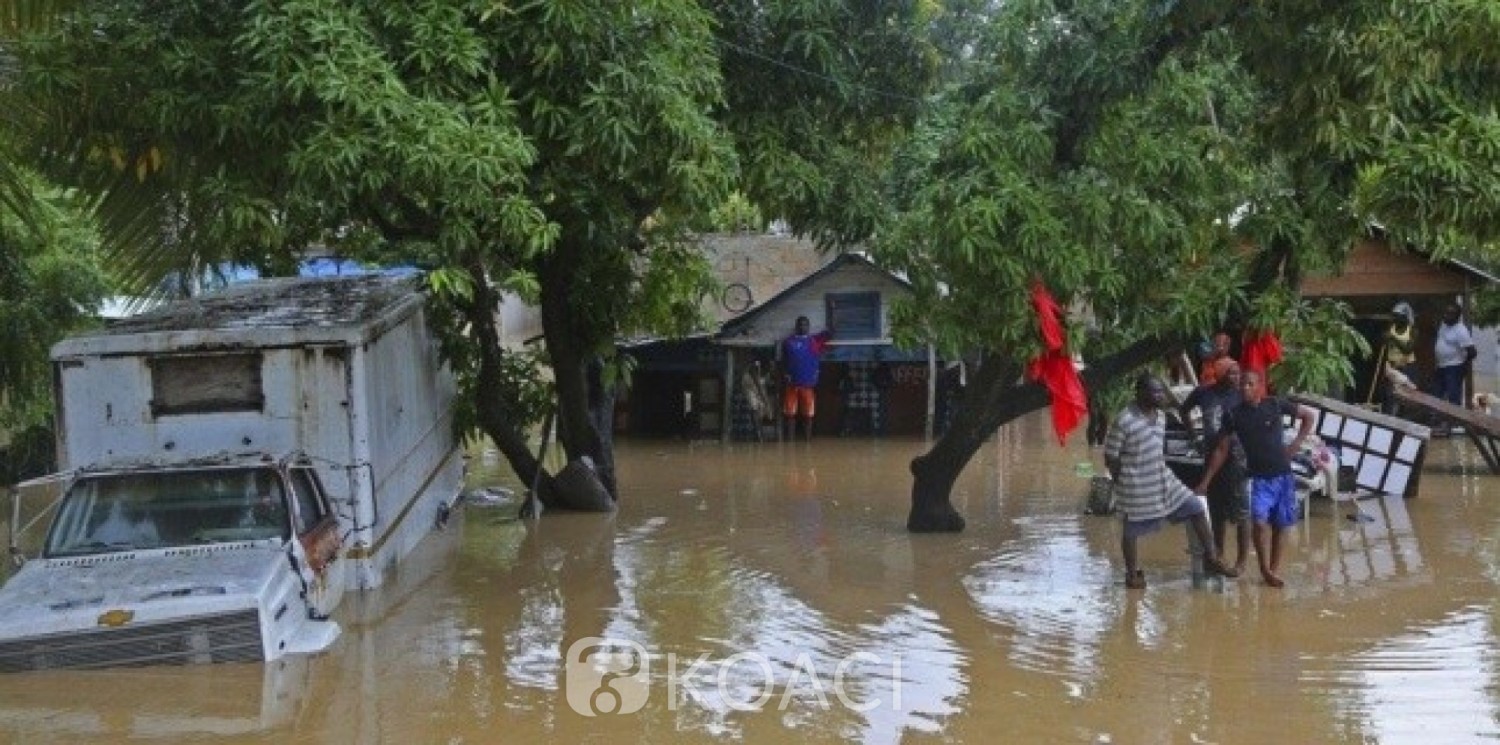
(489,496)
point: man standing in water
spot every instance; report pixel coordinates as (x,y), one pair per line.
(1146,491)
(1455,354)
(1400,353)
(801,354)
(1227,499)
(1257,422)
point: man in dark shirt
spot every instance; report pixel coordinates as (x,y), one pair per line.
(1257,422)
(1228,500)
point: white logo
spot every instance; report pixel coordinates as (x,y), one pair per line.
(606,676)
(603,676)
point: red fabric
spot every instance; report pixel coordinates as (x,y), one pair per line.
(820,342)
(1070,403)
(1261,350)
(1054,367)
(1049,317)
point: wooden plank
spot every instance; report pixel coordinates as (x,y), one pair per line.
(1374,268)
(1469,418)
(1404,426)
(1481,429)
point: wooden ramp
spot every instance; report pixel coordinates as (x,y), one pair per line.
(1482,429)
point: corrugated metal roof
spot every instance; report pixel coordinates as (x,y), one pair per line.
(263,313)
(274,303)
(734,326)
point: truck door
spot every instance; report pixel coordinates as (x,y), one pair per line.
(317,532)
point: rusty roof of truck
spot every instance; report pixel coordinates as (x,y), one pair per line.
(263,314)
(291,302)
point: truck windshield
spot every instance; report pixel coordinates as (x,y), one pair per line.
(127,512)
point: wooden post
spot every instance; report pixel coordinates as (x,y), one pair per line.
(931,392)
(727,399)
(1197,551)
(1468,309)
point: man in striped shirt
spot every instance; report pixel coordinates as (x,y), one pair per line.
(1146,492)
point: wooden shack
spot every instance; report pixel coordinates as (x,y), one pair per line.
(1375,277)
(868,386)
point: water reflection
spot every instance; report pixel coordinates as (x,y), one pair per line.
(780,571)
(1434,679)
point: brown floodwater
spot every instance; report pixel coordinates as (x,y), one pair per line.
(777,597)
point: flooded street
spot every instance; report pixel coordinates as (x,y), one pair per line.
(778,597)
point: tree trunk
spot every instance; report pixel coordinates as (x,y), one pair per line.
(493,411)
(575,359)
(992,399)
(602,415)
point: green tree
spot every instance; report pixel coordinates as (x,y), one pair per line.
(1171,166)
(49,266)
(554,148)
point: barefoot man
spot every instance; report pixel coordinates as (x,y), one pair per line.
(1268,459)
(1228,498)
(1147,493)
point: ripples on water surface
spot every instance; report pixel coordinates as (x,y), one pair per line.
(790,565)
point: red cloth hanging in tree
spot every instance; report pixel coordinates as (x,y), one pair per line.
(1259,350)
(1054,367)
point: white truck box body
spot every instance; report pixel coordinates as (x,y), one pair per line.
(349,374)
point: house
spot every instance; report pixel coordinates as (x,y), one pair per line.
(725,384)
(1375,277)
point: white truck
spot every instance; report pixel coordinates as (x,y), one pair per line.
(231,465)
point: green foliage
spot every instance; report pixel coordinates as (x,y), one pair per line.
(668,294)
(1318,343)
(1486,309)
(817,94)
(734,215)
(1167,169)
(446,134)
(1395,104)
(54,284)
(523,387)
(619,371)
(1138,228)
(49,266)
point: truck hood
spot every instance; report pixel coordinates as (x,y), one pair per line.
(49,595)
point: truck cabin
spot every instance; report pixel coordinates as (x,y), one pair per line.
(164,508)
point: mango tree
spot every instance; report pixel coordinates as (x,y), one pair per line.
(1165,167)
(550,148)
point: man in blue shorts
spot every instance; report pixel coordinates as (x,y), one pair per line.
(1146,491)
(1257,422)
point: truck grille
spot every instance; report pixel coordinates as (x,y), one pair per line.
(224,637)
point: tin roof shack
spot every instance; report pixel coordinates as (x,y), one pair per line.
(293,433)
(678,386)
(868,386)
(1374,278)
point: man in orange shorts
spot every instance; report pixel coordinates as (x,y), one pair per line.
(801,353)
